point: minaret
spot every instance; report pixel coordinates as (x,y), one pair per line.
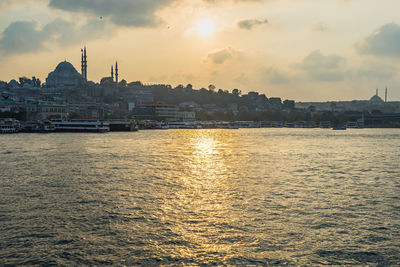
(84,64)
(376,91)
(112,73)
(385,94)
(116,72)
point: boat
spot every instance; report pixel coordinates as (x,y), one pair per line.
(46,127)
(9,126)
(37,127)
(81,126)
(339,128)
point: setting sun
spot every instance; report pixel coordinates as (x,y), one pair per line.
(205,27)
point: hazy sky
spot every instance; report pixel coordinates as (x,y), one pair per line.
(298,49)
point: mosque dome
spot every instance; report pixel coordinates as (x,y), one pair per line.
(64,75)
(376,100)
(65,66)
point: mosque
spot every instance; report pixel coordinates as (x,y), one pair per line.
(66,76)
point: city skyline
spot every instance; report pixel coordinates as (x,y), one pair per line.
(303,50)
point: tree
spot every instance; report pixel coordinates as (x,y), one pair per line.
(236,92)
(122,83)
(211,88)
(133,84)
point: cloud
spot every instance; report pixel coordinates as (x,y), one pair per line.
(274,76)
(320,27)
(248,24)
(22,37)
(376,70)
(236,1)
(26,37)
(383,42)
(242,79)
(278,77)
(67,33)
(219,57)
(11,3)
(316,60)
(323,68)
(137,13)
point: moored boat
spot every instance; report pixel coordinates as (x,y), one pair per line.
(9,126)
(339,128)
(81,126)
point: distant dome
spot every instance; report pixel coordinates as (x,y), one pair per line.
(376,100)
(13,84)
(65,66)
(65,75)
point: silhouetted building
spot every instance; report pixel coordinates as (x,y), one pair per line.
(275,103)
(65,75)
(288,104)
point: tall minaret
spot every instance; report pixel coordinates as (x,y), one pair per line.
(116,72)
(112,73)
(377,91)
(84,64)
(385,94)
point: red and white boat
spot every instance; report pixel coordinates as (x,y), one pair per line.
(81,126)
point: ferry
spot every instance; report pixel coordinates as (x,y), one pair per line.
(37,127)
(81,126)
(9,126)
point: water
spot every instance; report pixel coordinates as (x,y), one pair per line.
(255,197)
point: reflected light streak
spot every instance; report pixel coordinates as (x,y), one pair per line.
(203,206)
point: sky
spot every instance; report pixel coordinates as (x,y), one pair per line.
(305,50)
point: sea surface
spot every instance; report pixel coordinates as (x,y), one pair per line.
(247,197)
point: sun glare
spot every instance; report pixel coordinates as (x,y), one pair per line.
(205,27)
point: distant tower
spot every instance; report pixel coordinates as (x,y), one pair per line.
(376,91)
(84,64)
(385,94)
(116,72)
(112,73)
(82,68)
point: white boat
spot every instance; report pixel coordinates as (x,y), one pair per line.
(9,126)
(81,126)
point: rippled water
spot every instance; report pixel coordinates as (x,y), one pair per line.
(201,197)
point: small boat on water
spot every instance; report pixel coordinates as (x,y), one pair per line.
(339,128)
(81,126)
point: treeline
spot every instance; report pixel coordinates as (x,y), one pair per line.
(279,115)
(179,94)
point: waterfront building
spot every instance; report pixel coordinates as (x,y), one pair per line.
(187,115)
(46,110)
(158,109)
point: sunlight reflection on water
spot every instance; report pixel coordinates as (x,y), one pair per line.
(192,197)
